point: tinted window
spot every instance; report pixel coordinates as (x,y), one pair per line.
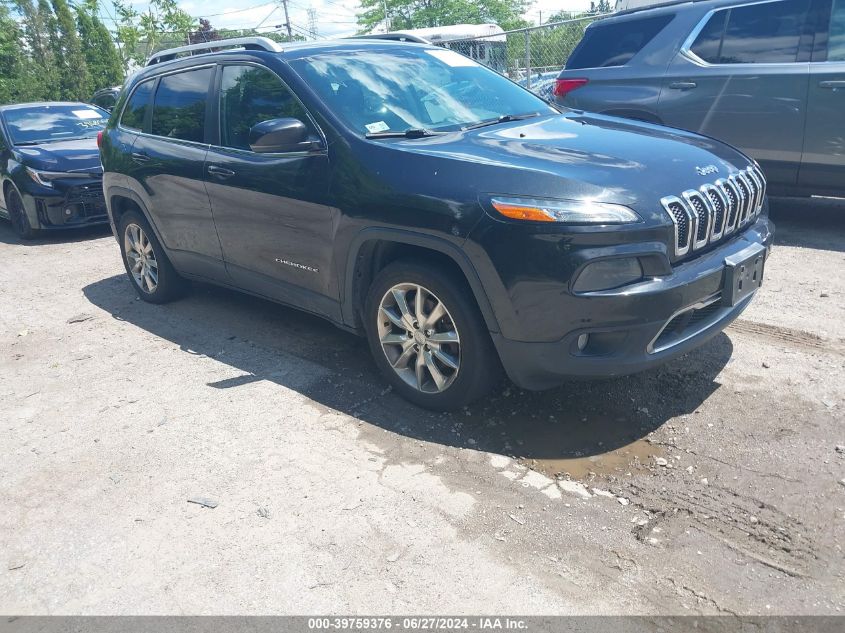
(136,108)
(179,109)
(836,42)
(708,44)
(105,101)
(391,90)
(615,43)
(756,34)
(250,95)
(45,123)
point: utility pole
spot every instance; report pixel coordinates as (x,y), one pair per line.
(386,19)
(287,20)
(312,22)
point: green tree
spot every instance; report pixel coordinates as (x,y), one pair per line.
(13,62)
(36,19)
(101,55)
(413,14)
(74,78)
(162,25)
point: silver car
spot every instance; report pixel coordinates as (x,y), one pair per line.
(767,77)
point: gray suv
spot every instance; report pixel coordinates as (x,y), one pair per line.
(767,77)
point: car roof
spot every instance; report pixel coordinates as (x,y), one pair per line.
(673,6)
(36,104)
(290,51)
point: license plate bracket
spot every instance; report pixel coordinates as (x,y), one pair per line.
(743,274)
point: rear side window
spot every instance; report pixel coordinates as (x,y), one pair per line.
(105,101)
(136,108)
(179,108)
(768,33)
(615,43)
(836,41)
(250,95)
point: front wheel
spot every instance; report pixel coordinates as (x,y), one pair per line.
(17,214)
(428,337)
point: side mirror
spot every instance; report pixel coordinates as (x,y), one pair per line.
(279,135)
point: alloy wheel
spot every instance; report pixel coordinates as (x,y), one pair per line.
(419,338)
(141,258)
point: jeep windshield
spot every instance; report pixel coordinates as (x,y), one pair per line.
(46,123)
(390,92)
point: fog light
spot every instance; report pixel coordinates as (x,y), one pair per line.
(68,211)
(582,342)
(605,274)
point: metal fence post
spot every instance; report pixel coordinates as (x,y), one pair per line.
(528,59)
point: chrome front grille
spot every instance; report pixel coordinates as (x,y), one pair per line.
(715,210)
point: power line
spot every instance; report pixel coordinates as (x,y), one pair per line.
(257,6)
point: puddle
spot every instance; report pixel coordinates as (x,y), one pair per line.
(626,459)
(580,437)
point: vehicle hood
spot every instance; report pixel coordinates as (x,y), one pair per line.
(78,155)
(581,155)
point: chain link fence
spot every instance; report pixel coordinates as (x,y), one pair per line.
(531,56)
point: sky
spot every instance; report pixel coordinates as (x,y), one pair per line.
(335,18)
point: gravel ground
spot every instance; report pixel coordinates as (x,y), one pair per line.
(712,485)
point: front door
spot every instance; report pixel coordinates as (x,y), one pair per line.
(743,80)
(823,162)
(272,211)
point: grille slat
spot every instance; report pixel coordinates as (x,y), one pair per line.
(701,217)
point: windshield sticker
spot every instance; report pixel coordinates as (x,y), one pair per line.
(87,114)
(378,126)
(451,58)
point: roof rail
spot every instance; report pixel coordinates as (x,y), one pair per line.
(396,36)
(247,43)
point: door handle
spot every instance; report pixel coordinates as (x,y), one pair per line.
(683,85)
(832,85)
(220,172)
(138,157)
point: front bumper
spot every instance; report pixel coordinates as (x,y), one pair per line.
(644,324)
(68,205)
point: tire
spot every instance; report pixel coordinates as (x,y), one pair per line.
(453,342)
(150,271)
(17,214)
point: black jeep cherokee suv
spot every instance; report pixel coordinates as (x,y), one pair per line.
(406,192)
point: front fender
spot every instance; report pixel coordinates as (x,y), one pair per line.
(454,252)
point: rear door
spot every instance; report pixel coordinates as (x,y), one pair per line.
(272,211)
(823,162)
(742,77)
(170,166)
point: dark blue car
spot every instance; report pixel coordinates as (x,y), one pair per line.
(50,172)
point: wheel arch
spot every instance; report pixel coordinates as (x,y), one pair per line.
(121,200)
(375,248)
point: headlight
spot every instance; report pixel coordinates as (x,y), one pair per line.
(46,178)
(569,211)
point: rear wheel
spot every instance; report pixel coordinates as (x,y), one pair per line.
(148,267)
(428,337)
(18,216)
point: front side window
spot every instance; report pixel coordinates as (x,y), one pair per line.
(766,33)
(179,106)
(836,40)
(615,43)
(46,123)
(250,95)
(136,108)
(394,90)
